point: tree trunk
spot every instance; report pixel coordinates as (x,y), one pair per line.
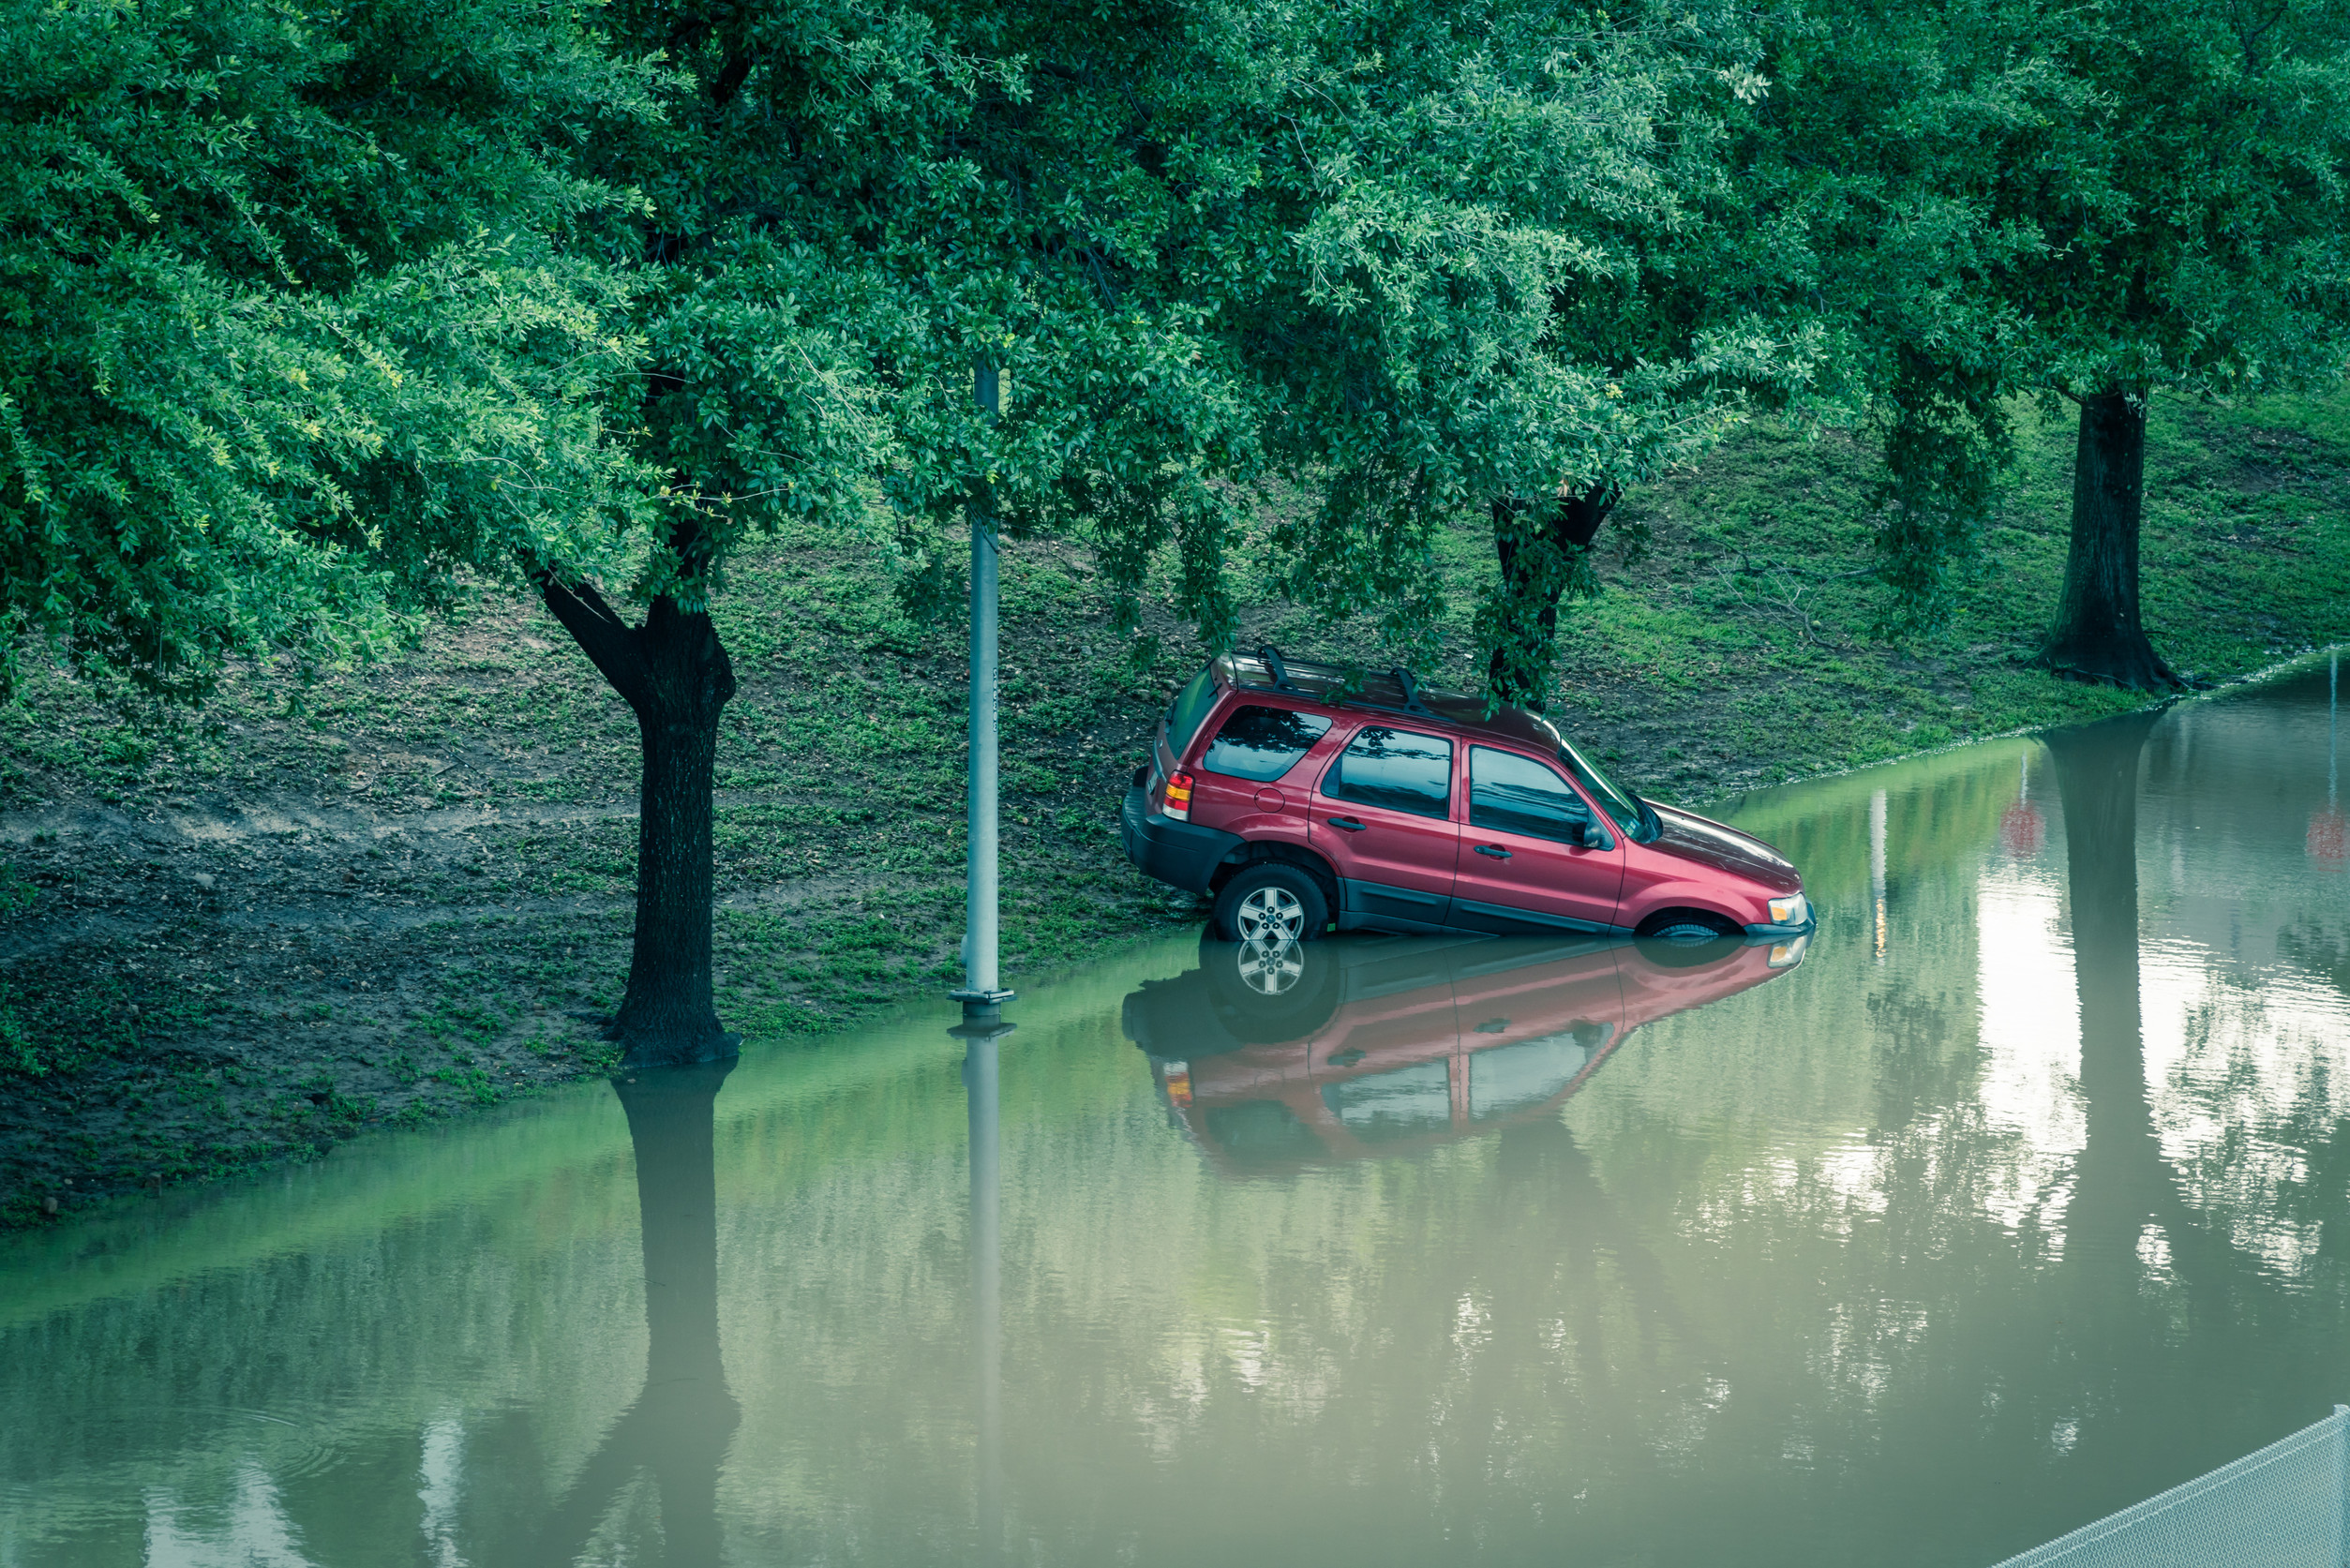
(674,673)
(2097,635)
(685,1416)
(1538,562)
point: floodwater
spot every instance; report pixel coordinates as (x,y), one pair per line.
(2023,1194)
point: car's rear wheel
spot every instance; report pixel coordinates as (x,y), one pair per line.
(1271,904)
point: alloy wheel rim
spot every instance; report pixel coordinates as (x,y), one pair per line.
(1271,915)
(1270,968)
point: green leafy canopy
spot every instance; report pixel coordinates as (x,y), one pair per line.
(2035,198)
(1423,260)
(300,318)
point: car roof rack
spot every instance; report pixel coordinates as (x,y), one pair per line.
(1271,657)
(1407,684)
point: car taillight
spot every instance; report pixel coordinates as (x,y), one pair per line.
(1180,1085)
(1178,805)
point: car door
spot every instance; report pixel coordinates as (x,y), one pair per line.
(1382,813)
(1535,856)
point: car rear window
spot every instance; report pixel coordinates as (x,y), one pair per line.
(1189,710)
(1395,768)
(1262,744)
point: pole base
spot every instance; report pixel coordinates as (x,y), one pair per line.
(981,1007)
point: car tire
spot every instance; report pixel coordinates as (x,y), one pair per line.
(1685,925)
(1271,900)
(1688,939)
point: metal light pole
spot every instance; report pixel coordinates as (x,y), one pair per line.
(982,993)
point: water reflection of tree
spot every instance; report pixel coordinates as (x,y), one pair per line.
(2120,1350)
(2121,1181)
(678,1428)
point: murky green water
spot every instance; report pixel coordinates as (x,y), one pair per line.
(2023,1195)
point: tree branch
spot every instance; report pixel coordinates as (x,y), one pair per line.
(609,641)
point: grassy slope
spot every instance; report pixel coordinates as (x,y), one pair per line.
(413,894)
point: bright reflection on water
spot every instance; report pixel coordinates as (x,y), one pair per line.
(2022,1197)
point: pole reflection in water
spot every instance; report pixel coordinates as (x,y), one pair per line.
(681,1424)
(1877,867)
(2327,831)
(980,1086)
(2022,830)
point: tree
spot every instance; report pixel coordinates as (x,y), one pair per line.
(848,209)
(1515,283)
(294,330)
(1205,244)
(2084,205)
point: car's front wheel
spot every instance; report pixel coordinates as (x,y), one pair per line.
(1270,903)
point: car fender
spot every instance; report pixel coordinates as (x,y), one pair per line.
(1286,845)
(1688,895)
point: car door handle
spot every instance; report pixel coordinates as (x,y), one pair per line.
(1493,850)
(1349,824)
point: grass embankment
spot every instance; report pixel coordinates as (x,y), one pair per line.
(411,893)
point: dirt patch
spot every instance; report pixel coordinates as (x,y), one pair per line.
(265,929)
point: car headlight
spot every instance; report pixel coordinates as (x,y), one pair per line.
(1787,955)
(1793,910)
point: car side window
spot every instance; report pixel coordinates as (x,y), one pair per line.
(1262,744)
(1395,768)
(1513,793)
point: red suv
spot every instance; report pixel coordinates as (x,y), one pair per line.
(1296,804)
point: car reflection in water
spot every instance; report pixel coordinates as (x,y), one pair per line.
(1277,1057)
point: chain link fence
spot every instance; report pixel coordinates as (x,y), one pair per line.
(2282,1507)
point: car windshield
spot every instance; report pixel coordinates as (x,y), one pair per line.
(1613,799)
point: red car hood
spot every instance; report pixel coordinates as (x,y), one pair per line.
(1690,837)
